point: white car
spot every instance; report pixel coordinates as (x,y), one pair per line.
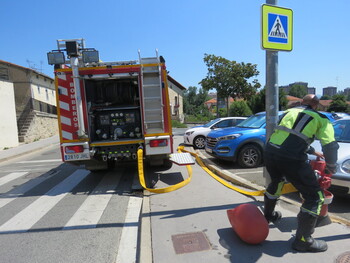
(341,179)
(195,136)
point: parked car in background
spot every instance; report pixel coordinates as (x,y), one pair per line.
(341,179)
(195,136)
(333,116)
(242,144)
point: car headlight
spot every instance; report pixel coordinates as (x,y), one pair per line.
(189,133)
(230,137)
(345,167)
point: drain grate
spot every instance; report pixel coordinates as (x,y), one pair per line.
(190,242)
(343,258)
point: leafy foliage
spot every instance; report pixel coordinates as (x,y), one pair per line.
(298,91)
(240,108)
(230,78)
(338,104)
(257,103)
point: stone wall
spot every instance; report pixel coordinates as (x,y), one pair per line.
(43,126)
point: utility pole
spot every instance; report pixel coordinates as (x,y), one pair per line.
(271,99)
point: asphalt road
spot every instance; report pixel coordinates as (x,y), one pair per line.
(56,212)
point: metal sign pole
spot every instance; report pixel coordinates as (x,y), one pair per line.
(271,99)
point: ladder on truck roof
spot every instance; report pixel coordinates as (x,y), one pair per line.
(151,79)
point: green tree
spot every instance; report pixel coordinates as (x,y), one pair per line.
(298,91)
(240,108)
(230,78)
(326,97)
(257,103)
(194,100)
(338,104)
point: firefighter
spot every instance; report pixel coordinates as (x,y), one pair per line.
(286,159)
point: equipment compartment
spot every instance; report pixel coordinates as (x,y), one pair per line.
(113,109)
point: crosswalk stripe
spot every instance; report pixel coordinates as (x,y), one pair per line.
(128,240)
(41,161)
(10,177)
(21,190)
(90,212)
(25,219)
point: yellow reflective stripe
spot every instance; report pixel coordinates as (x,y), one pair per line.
(321,195)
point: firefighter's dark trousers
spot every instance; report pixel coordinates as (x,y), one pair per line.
(300,174)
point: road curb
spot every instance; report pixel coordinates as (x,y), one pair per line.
(145,254)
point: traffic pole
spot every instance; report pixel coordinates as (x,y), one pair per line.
(272,94)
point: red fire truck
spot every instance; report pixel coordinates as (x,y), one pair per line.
(107,110)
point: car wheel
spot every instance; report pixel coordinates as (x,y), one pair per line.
(199,142)
(249,156)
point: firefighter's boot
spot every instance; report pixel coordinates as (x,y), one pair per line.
(304,241)
(269,207)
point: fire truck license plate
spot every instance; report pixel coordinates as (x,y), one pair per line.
(78,156)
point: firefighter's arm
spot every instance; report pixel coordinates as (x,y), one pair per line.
(329,145)
(312,151)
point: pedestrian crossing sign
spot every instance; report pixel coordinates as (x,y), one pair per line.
(277,28)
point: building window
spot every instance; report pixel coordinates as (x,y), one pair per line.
(38,89)
(176,106)
(47,94)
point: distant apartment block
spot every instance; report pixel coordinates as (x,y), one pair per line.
(346,91)
(330,91)
(311,90)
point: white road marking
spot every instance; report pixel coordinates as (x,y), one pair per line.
(42,161)
(10,177)
(21,190)
(25,219)
(128,240)
(90,212)
(253,172)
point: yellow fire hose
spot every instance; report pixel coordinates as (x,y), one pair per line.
(160,190)
(287,188)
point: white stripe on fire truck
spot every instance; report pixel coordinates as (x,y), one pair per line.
(66,121)
(63,90)
(67,135)
(27,218)
(62,76)
(64,105)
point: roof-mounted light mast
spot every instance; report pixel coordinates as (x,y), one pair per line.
(76,52)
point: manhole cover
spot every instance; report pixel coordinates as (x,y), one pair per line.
(190,242)
(343,258)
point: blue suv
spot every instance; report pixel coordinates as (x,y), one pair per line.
(243,143)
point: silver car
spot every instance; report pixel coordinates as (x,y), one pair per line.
(341,179)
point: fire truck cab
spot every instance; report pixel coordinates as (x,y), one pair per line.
(107,110)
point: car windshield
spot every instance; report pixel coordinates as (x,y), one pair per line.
(255,121)
(210,123)
(342,130)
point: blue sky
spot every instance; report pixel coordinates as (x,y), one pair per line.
(183,31)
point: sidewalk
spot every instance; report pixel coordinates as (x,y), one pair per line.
(185,226)
(24,148)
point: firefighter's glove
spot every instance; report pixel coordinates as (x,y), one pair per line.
(325,181)
(330,168)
